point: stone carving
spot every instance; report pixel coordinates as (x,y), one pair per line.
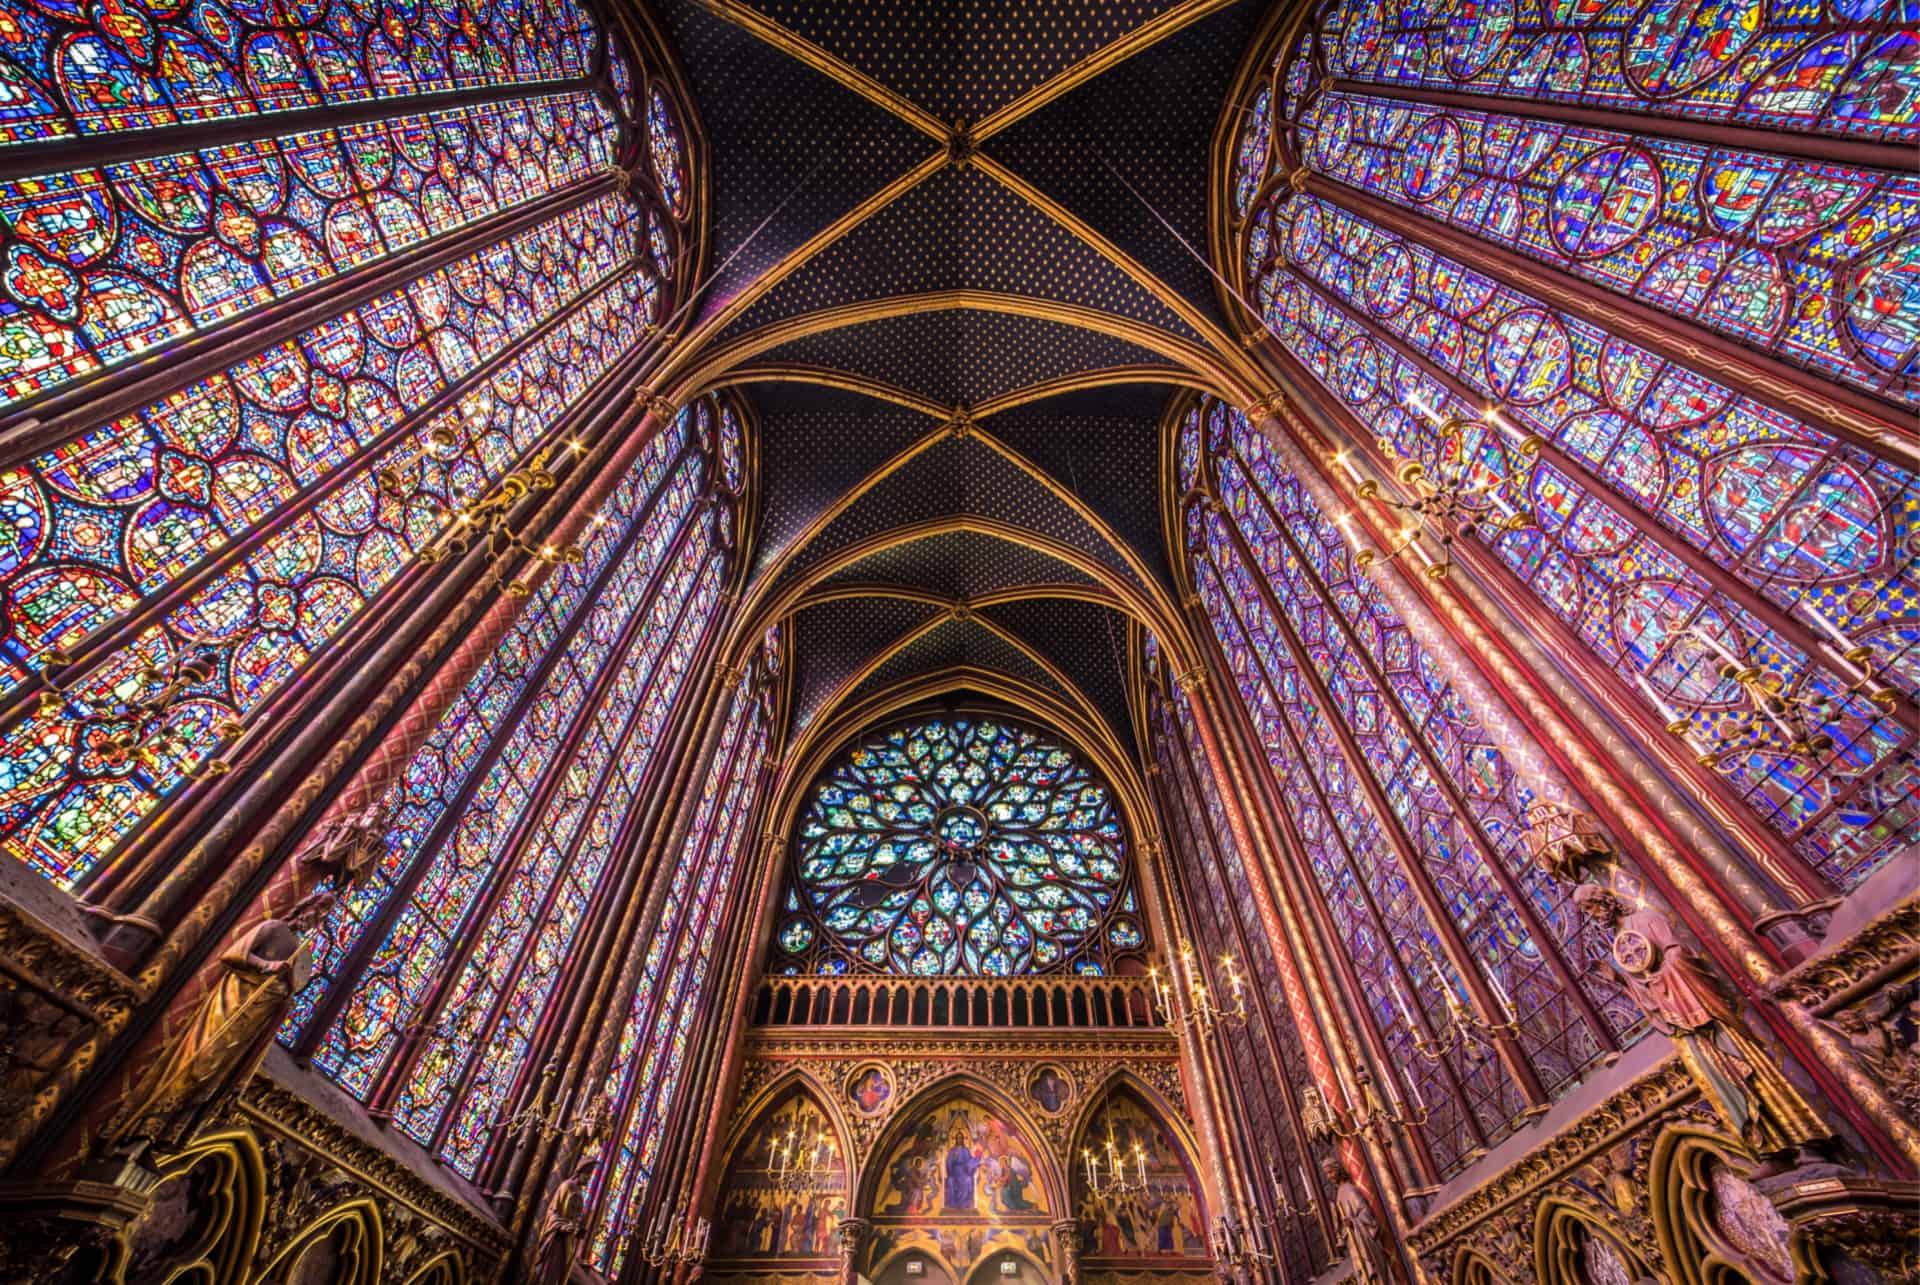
(561,1222)
(1883,1030)
(1739,1077)
(208,1060)
(343,851)
(1360,1232)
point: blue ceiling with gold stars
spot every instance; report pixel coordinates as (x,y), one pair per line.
(954,262)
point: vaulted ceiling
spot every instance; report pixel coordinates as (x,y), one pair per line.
(955,269)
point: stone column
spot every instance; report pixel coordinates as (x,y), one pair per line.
(851,1235)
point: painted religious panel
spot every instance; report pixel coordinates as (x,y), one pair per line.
(1143,1204)
(959,1186)
(785,1189)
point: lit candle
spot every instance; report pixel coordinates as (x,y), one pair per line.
(1345,523)
(1719,648)
(1426,411)
(1413,1087)
(1306,1183)
(1400,998)
(1412,538)
(1659,702)
(1832,630)
(1345,460)
(1499,991)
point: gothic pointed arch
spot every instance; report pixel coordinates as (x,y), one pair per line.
(960,1172)
(787,1183)
(1136,1182)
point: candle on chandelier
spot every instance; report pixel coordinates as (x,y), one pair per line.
(1400,998)
(1499,991)
(1413,1087)
(1412,538)
(1345,460)
(1659,702)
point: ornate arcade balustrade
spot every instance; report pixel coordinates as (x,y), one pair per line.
(1066,1002)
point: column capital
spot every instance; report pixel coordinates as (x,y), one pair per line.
(651,402)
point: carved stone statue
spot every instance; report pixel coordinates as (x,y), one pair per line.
(1359,1229)
(561,1223)
(346,849)
(1315,1120)
(1736,1075)
(210,1057)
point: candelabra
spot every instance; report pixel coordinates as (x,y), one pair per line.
(1463,1027)
(1446,502)
(1282,1203)
(815,1170)
(537,1119)
(1371,1116)
(1116,1185)
(1202,1011)
(487,521)
(664,1245)
(1776,711)
(120,728)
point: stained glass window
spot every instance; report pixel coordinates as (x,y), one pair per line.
(967,845)
(1672,518)
(475,912)
(1411,818)
(1805,260)
(1269,1065)
(1838,67)
(650,1054)
(173,567)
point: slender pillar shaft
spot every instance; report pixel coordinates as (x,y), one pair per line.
(1460,955)
(1640,805)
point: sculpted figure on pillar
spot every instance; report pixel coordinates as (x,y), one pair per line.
(1678,993)
(1367,1247)
(561,1225)
(208,1060)
(346,849)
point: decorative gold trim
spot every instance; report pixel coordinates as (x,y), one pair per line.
(1223,380)
(831,378)
(1885,946)
(285,1112)
(769,32)
(1146,35)
(1659,1090)
(793,260)
(1225,347)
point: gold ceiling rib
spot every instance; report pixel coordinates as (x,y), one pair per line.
(762,606)
(1146,35)
(821,595)
(921,445)
(1103,377)
(1231,351)
(935,623)
(847,498)
(1079,508)
(766,30)
(1227,381)
(830,377)
(796,258)
(807,754)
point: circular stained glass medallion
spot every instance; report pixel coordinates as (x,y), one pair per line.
(962,845)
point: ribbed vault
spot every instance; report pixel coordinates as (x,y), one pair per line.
(956,284)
